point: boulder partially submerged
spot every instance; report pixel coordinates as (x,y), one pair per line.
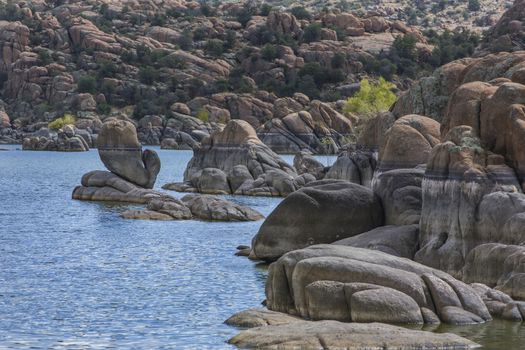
(338,335)
(235,161)
(132,177)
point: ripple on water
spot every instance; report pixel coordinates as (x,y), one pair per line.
(74,275)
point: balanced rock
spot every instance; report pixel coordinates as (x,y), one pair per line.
(121,153)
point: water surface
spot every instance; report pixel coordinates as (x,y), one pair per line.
(74,275)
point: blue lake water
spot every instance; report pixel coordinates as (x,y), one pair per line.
(74,275)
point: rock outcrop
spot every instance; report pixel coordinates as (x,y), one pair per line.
(337,335)
(235,161)
(321,212)
(120,152)
(66,139)
(352,284)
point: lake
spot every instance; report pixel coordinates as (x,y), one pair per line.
(74,275)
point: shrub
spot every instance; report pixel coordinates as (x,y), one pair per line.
(66,119)
(265,10)
(203,115)
(321,75)
(269,52)
(301,13)
(103,108)
(214,47)
(474,5)
(185,41)
(405,47)
(372,98)
(245,14)
(312,32)
(87,83)
(338,60)
(44,57)
(148,75)
(231,39)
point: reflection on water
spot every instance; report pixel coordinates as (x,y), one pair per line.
(74,275)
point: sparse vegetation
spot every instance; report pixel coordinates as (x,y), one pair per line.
(372,98)
(66,119)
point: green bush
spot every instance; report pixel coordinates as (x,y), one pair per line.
(372,98)
(67,119)
(301,13)
(203,115)
(338,60)
(44,57)
(214,47)
(269,52)
(265,10)
(312,32)
(87,83)
(148,75)
(405,47)
(474,5)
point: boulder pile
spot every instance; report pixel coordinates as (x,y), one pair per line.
(235,161)
(132,175)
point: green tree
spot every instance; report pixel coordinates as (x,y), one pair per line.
(269,52)
(87,83)
(148,75)
(301,13)
(474,5)
(372,98)
(312,32)
(405,47)
(214,47)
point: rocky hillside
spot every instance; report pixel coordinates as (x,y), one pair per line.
(443,14)
(182,69)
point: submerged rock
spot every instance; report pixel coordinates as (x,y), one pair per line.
(337,335)
(260,317)
(213,208)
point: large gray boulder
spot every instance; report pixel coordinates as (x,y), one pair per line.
(321,212)
(121,153)
(321,281)
(235,161)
